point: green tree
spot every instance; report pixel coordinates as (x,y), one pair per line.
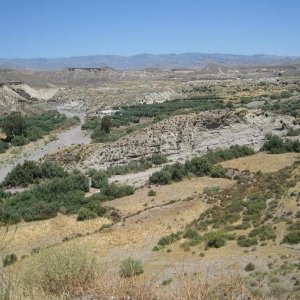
(106,124)
(14,124)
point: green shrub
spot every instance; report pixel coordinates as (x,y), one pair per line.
(31,172)
(113,191)
(19,140)
(86,214)
(198,166)
(3,146)
(191,234)
(293,132)
(34,133)
(250,267)
(177,171)
(13,124)
(215,239)
(169,239)
(246,242)
(44,200)
(218,172)
(255,204)
(95,207)
(151,193)
(106,124)
(264,232)
(166,281)
(131,167)
(21,129)
(158,159)
(235,151)
(292,238)
(160,177)
(130,267)
(275,144)
(9,259)
(99,180)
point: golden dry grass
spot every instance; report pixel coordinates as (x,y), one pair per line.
(166,193)
(263,162)
(22,238)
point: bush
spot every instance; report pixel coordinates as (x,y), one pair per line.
(19,140)
(3,146)
(60,271)
(191,234)
(31,172)
(215,239)
(131,167)
(218,172)
(106,124)
(13,125)
(177,171)
(44,200)
(160,177)
(113,191)
(159,159)
(34,133)
(293,132)
(151,193)
(86,214)
(292,238)
(198,166)
(250,267)
(246,242)
(94,206)
(275,145)
(169,239)
(22,129)
(264,232)
(256,204)
(9,259)
(99,180)
(130,267)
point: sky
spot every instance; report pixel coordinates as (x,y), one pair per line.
(64,28)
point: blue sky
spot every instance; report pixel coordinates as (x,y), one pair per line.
(62,28)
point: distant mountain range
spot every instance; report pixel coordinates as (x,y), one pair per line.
(142,61)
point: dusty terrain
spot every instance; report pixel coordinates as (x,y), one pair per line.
(145,221)
(142,219)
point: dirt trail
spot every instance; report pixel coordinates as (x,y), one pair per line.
(136,179)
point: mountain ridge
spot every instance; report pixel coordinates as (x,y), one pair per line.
(146,60)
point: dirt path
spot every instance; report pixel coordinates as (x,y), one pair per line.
(136,179)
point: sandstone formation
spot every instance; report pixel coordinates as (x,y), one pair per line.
(183,136)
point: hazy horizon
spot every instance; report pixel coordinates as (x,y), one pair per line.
(145,53)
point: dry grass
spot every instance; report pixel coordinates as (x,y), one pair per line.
(166,193)
(22,238)
(63,271)
(263,162)
(199,287)
(70,272)
(74,274)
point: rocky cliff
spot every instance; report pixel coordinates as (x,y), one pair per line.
(182,136)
